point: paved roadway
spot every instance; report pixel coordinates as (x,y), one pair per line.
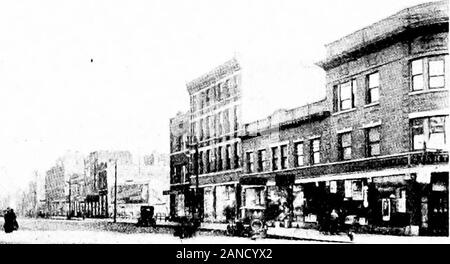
(94,231)
(43,231)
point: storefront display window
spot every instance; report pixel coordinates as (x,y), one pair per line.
(180,205)
(392,199)
(209,203)
(254,196)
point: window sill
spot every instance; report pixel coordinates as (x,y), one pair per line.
(371,104)
(428,91)
(344,111)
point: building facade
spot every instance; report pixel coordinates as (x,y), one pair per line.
(179,166)
(60,180)
(100,177)
(374,150)
(211,148)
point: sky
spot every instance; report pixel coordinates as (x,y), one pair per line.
(89,75)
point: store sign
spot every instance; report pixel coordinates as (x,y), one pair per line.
(132,193)
(348,188)
(401,202)
(386,209)
(333,187)
(439,187)
(357,192)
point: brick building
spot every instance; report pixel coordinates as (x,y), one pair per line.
(100,177)
(179,165)
(61,180)
(374,150)
(214,121)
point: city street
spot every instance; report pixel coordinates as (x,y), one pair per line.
(103,231)
(44,231)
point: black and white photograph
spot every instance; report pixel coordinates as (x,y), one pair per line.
(224,122)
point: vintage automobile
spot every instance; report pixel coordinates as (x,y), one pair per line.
(251,224)
(146,218)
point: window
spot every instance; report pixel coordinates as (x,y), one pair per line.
(428,133)
(417,74)
(183,174)
(284,156)
(194,103)
(344,96)
(275,158)
(208,161)
(201,127)
(261,160)
(226,121)
(235,118)
(428,73)
(219,121)
(436,73)
(194,132)
(236,155)
(373,91)
(219,92)
(219,158)
(250,162)
(200,163)
(299,158)
(207,130)
(225,90)
(207,95)
(179,143)
(202,100)
(345,146)
(228,158)
(315,151)
(373,141)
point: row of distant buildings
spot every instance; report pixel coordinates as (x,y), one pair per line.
(375,149)
(80,185)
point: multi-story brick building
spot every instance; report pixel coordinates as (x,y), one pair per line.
(179,165)
(60,180)
(54,191)
(214,120)
(374,149)
(100,178)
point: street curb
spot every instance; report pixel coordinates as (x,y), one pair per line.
(308,239)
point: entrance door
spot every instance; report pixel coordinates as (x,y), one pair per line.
(438,204)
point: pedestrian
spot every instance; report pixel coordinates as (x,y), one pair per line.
(334,222)
(10,221)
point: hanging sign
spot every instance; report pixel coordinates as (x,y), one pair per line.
(333,187)
(365,196)
(348,188)
(386,209)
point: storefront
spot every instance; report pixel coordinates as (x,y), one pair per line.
(218,201)
(405,204)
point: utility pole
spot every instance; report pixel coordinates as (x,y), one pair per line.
(69,216)
(196,202)
(115,191)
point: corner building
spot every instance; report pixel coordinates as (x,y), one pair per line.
(375,150)
(215,121)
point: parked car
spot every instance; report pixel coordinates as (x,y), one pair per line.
(146,218)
